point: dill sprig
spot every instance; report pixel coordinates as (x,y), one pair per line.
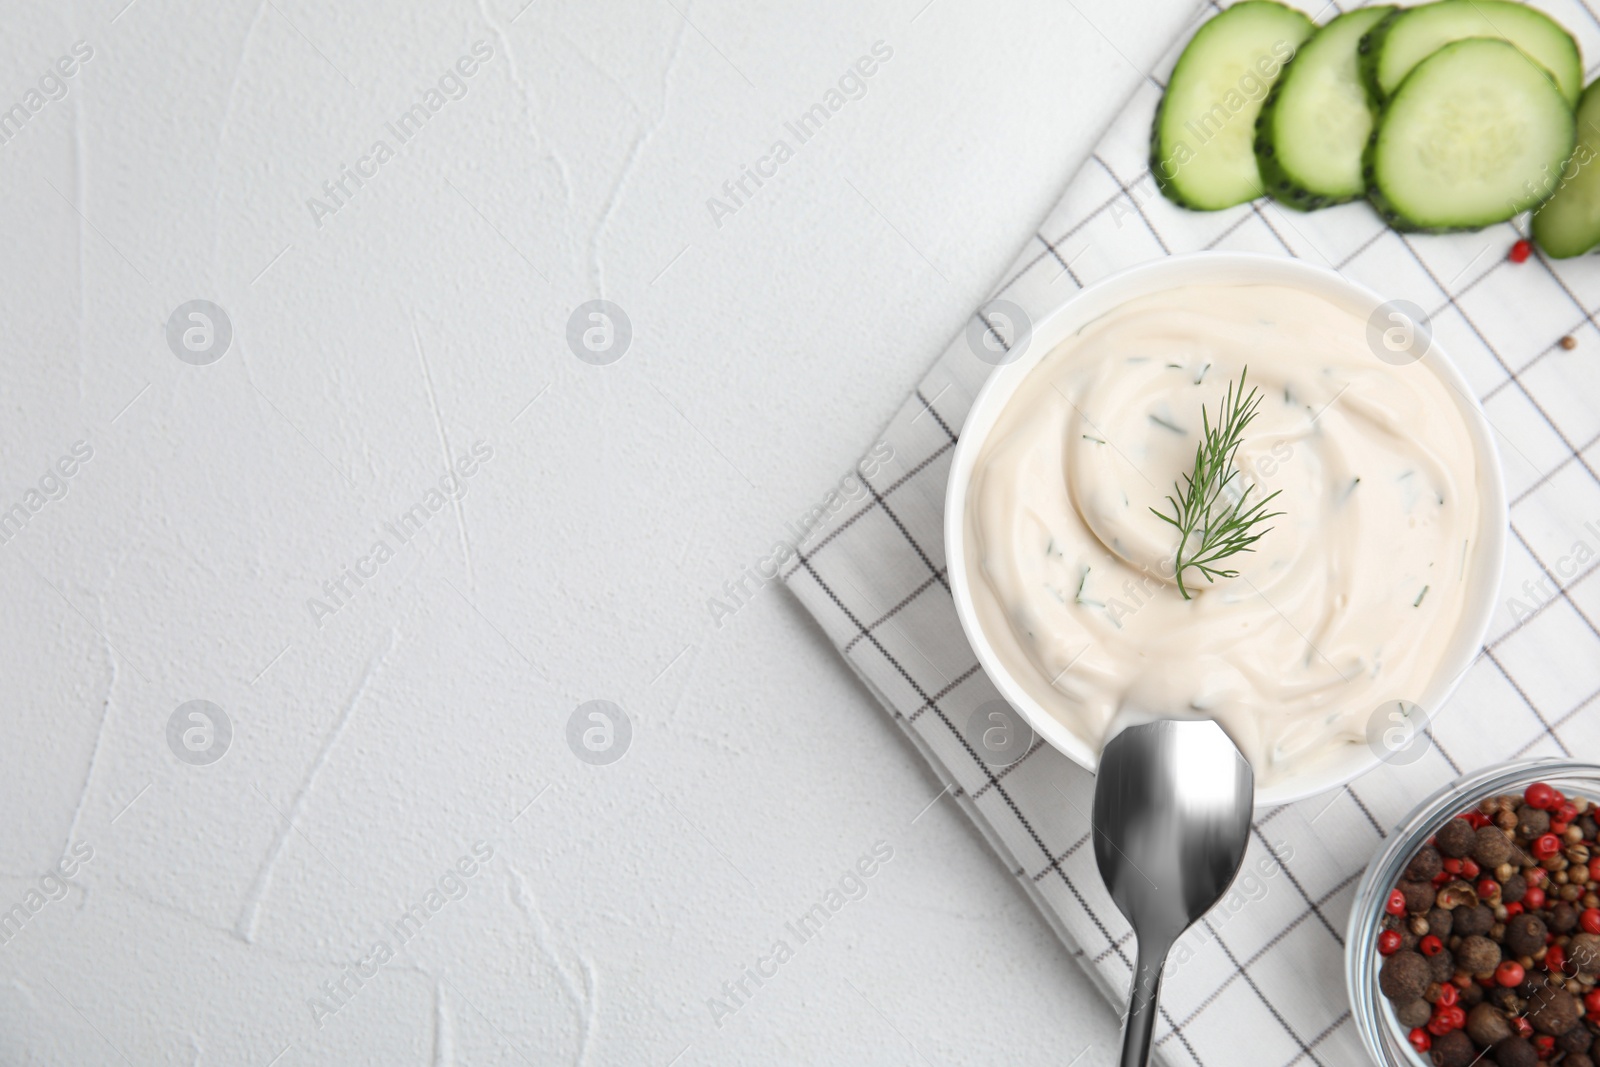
(1201,508)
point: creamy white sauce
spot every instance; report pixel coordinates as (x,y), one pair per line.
(1349,602)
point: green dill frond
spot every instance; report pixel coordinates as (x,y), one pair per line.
(1210,527)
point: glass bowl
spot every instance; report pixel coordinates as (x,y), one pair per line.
(1381,1033)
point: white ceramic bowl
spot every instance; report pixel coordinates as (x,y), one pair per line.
(1222,268)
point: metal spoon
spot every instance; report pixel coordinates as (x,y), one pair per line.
(1172,807)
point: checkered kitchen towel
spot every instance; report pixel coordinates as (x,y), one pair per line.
(1267,962)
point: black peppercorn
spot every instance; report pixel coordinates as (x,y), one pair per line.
(1478,956)
(1531,984)
(1454,1049)
(1419,896)
(1554,1011)
(1425,864)
(1404,976)
(1491,848)
(1413,1013)
(1487,1024)
(1583,954)
(1474,921)
(1525,934)
(1516,1052)
(1578,1039)
(1531,822)
(1456,838)
(1513,889)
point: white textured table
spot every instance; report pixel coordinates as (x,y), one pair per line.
(263,527)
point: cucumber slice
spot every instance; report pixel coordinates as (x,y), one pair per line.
(1569,222)
(1202,147)
(1408,37)
(1316,121)
(1468,139)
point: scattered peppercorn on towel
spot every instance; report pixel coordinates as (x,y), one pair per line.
(1266,966)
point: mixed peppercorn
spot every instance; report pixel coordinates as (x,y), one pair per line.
(1491,938)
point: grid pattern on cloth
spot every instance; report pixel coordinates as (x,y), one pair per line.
(1264,969)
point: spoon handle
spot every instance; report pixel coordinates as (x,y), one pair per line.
(1142,1006)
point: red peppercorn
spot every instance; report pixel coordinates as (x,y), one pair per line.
(1591,1003)
(1510,974)
(1533,898)
(1590,920)
(1536,875)
(1440,879)
(1488,888)
(1470,869)
(1451,1018)
(1477,818)
(1557,826)
(1513,909)
(1544,1045)
(1521,251)
(1522,1026)
(1555,960)
(1594,869)
(1544,846)
(1539,795)
(1389,942)
(1431,945)
(1448,995)
(1420,1040)
(1396,904)
(1452,866)
(1565,812)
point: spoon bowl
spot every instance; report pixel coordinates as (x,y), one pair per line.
(1172,807)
